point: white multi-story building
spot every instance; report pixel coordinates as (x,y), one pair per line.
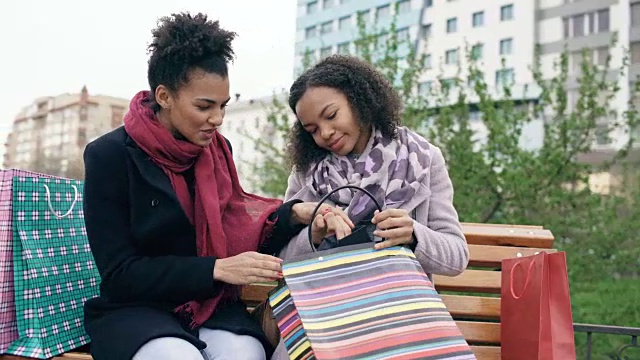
(444,29)
(244,121)
(492,30)
(326,27)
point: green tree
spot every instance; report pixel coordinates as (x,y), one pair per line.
(498,180)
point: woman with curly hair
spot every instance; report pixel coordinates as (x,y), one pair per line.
(173,234)
(348,133)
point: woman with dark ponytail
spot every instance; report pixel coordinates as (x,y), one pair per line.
(172,232)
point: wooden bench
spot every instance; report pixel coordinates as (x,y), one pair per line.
(473,298)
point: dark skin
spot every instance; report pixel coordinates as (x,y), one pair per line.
(327,115)
(195,112)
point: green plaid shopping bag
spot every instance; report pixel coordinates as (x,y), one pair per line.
(54,270)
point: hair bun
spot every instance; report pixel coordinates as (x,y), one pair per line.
(189,39)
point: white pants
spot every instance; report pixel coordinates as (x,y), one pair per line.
(221,345)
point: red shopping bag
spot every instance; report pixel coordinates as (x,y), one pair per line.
(535,311)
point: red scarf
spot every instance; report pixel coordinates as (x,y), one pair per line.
(227,220)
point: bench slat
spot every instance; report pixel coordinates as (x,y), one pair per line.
(492,256)
(480,332)
(458,305)
(472,307)
(256,293)
(507,235)
(486,352)
(503,225)
(74,356)
(481,281)
(481,352)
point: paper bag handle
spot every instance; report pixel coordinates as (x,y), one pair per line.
(526,282)
(73,204)
(324,198)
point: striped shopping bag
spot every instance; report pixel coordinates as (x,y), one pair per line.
(355,302)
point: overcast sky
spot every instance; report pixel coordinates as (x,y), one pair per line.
(52,47)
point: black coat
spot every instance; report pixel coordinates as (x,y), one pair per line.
(145,249)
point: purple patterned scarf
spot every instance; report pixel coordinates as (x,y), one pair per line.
(393,170)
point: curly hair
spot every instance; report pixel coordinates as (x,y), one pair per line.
(182,43)
(372,98)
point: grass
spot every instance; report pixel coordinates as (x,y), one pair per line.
(606,301)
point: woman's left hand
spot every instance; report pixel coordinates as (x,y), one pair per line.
(393,225)
(301,213)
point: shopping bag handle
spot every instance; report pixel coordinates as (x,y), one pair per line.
(324,198)
(73,204)
(526,282)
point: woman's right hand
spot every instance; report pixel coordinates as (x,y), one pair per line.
(248,268)
(329,223)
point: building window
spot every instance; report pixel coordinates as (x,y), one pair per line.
(326,27)
(447,83)
(475,116)
(343,48)
(603,20)
(427,62)
(383,12)
(602,54)
(576,59)
(506,46)
(326,4)
(424,88)
(310,32)
(592,23)
(364,15)
(476,51)
(312,7)
(602,135)
(426,31)
(428,3)
(506,12)
(505,77)
(635,52)
(451,57)
(403,34)
(404,6)
(578,25)
(117,114)
(634,10)
(477,19)
(586,24)
(452,25)
(344,22)
(383,38)
(324,52)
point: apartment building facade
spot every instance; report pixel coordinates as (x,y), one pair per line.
(326,27)
(493,31)
(56,129)
(244,121)
(497,31)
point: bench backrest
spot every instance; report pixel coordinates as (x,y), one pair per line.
(473,298)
